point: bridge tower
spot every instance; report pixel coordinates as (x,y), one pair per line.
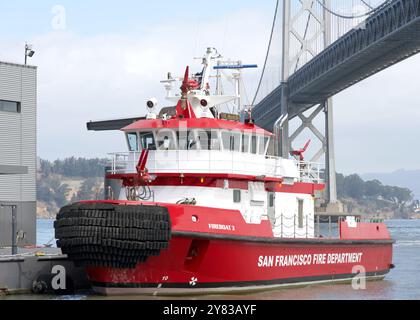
(321,39)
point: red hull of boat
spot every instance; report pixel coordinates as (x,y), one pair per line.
(226,265)
(245,257)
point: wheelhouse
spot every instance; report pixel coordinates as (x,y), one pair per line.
(199,139)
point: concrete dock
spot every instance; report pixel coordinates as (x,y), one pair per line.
(19,272)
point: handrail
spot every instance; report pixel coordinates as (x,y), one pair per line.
(125,162)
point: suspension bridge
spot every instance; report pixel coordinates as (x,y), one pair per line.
(327,46)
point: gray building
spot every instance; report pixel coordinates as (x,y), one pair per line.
(18,101)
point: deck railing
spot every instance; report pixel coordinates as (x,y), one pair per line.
(218,162)
(310,172)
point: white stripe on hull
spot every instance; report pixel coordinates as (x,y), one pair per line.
(221,290)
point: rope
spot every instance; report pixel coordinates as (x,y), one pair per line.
(354,17)
(268,53)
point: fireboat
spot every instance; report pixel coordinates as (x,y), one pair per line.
(201,204)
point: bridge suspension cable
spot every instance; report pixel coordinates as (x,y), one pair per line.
(268,53)
(307,38)
(367,4)
(354,16)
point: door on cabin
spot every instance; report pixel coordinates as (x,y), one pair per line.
(271,208)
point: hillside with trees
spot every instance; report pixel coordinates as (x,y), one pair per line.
(372,197)
(65,181)
(73,179)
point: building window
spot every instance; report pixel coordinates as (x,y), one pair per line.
(236,196)
(300,213)
(9,106)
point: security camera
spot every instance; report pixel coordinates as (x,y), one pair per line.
(152,103)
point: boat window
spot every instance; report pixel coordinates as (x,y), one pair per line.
(147,140)
(231,141)
(192,141)
(245,142)
(236,196)
(263,143)
(226,139)
(254,144)
(132,142)
(187,140)
(300,213)
(271,200)
(208,139)
(267,143)
(166,139)
(236,142)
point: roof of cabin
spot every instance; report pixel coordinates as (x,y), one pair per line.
(195,123)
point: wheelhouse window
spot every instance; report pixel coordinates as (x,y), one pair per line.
(231,141)
(254,144)
(9,106)
(245,143)
(133,144)
(263,145)
(166,140)
(187,140)
(147,140)
(208,139)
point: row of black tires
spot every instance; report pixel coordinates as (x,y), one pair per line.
(114,236)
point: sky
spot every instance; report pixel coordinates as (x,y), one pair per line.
(100,59)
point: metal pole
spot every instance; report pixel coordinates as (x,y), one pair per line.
(285,73)
(286,41)
(329,227)
(282,225)
(238,90)
(14,230)
(318,226)
(284,136)
(330,171)
(14,226)
(281,130)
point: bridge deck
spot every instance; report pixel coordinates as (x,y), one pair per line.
(390,35)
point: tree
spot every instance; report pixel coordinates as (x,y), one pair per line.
(61,195)
(354,187)
(340,185)
(373,188)
(87,190)
(72,167)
